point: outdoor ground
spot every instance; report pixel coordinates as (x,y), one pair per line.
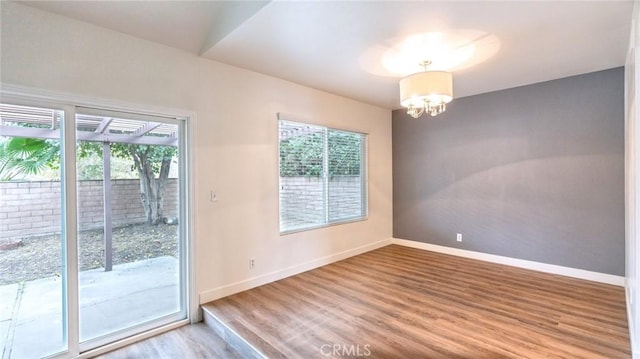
(39,257)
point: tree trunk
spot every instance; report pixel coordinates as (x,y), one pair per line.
(151,188)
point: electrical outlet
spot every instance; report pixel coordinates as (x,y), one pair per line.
(252,263)
(459,237)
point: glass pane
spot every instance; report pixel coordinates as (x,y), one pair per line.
(302,184)
(31,260)
(346,178)
(129,248)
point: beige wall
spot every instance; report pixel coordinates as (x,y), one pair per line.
(235,139)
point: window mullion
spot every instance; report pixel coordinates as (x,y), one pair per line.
(325,174)
(70,229)
(364,177)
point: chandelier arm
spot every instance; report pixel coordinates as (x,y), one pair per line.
(415,111)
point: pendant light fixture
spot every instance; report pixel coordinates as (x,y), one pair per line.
(428,91)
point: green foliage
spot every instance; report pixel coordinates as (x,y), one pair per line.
(92,168)
(27,156)
(153,154)
(86,149)
(345,150)
(303,155)
(20,157)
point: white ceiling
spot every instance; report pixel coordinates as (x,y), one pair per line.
(321,44)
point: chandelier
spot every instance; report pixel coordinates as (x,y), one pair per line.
(428,91)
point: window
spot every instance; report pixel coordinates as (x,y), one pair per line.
(322,176)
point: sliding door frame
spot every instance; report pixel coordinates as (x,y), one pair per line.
(185,120)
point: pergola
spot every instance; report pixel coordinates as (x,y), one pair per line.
(93,126)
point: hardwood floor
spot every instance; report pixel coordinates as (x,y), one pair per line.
(398,302)
(190,341)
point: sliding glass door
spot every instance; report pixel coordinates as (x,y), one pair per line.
(32,256)
(115,243)
(129,243)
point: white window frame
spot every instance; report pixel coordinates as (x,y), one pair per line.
(325,175)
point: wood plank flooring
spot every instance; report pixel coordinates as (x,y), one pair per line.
(190,341)
(399,302)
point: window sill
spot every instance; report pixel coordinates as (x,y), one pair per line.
(310,228)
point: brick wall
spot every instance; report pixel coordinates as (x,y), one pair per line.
(33,208)
(345,197)
(302,199)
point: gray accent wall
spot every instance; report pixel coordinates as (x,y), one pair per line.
(534,172)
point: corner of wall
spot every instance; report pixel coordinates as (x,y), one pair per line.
(632,184)
(515,262)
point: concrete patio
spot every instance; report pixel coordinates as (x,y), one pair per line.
(31,312)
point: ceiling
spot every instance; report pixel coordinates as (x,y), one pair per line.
(328,44)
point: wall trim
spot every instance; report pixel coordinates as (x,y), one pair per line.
(515,262)
(226,290)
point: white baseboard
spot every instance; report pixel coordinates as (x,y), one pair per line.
(223,291)
(521,263)
(246,284)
